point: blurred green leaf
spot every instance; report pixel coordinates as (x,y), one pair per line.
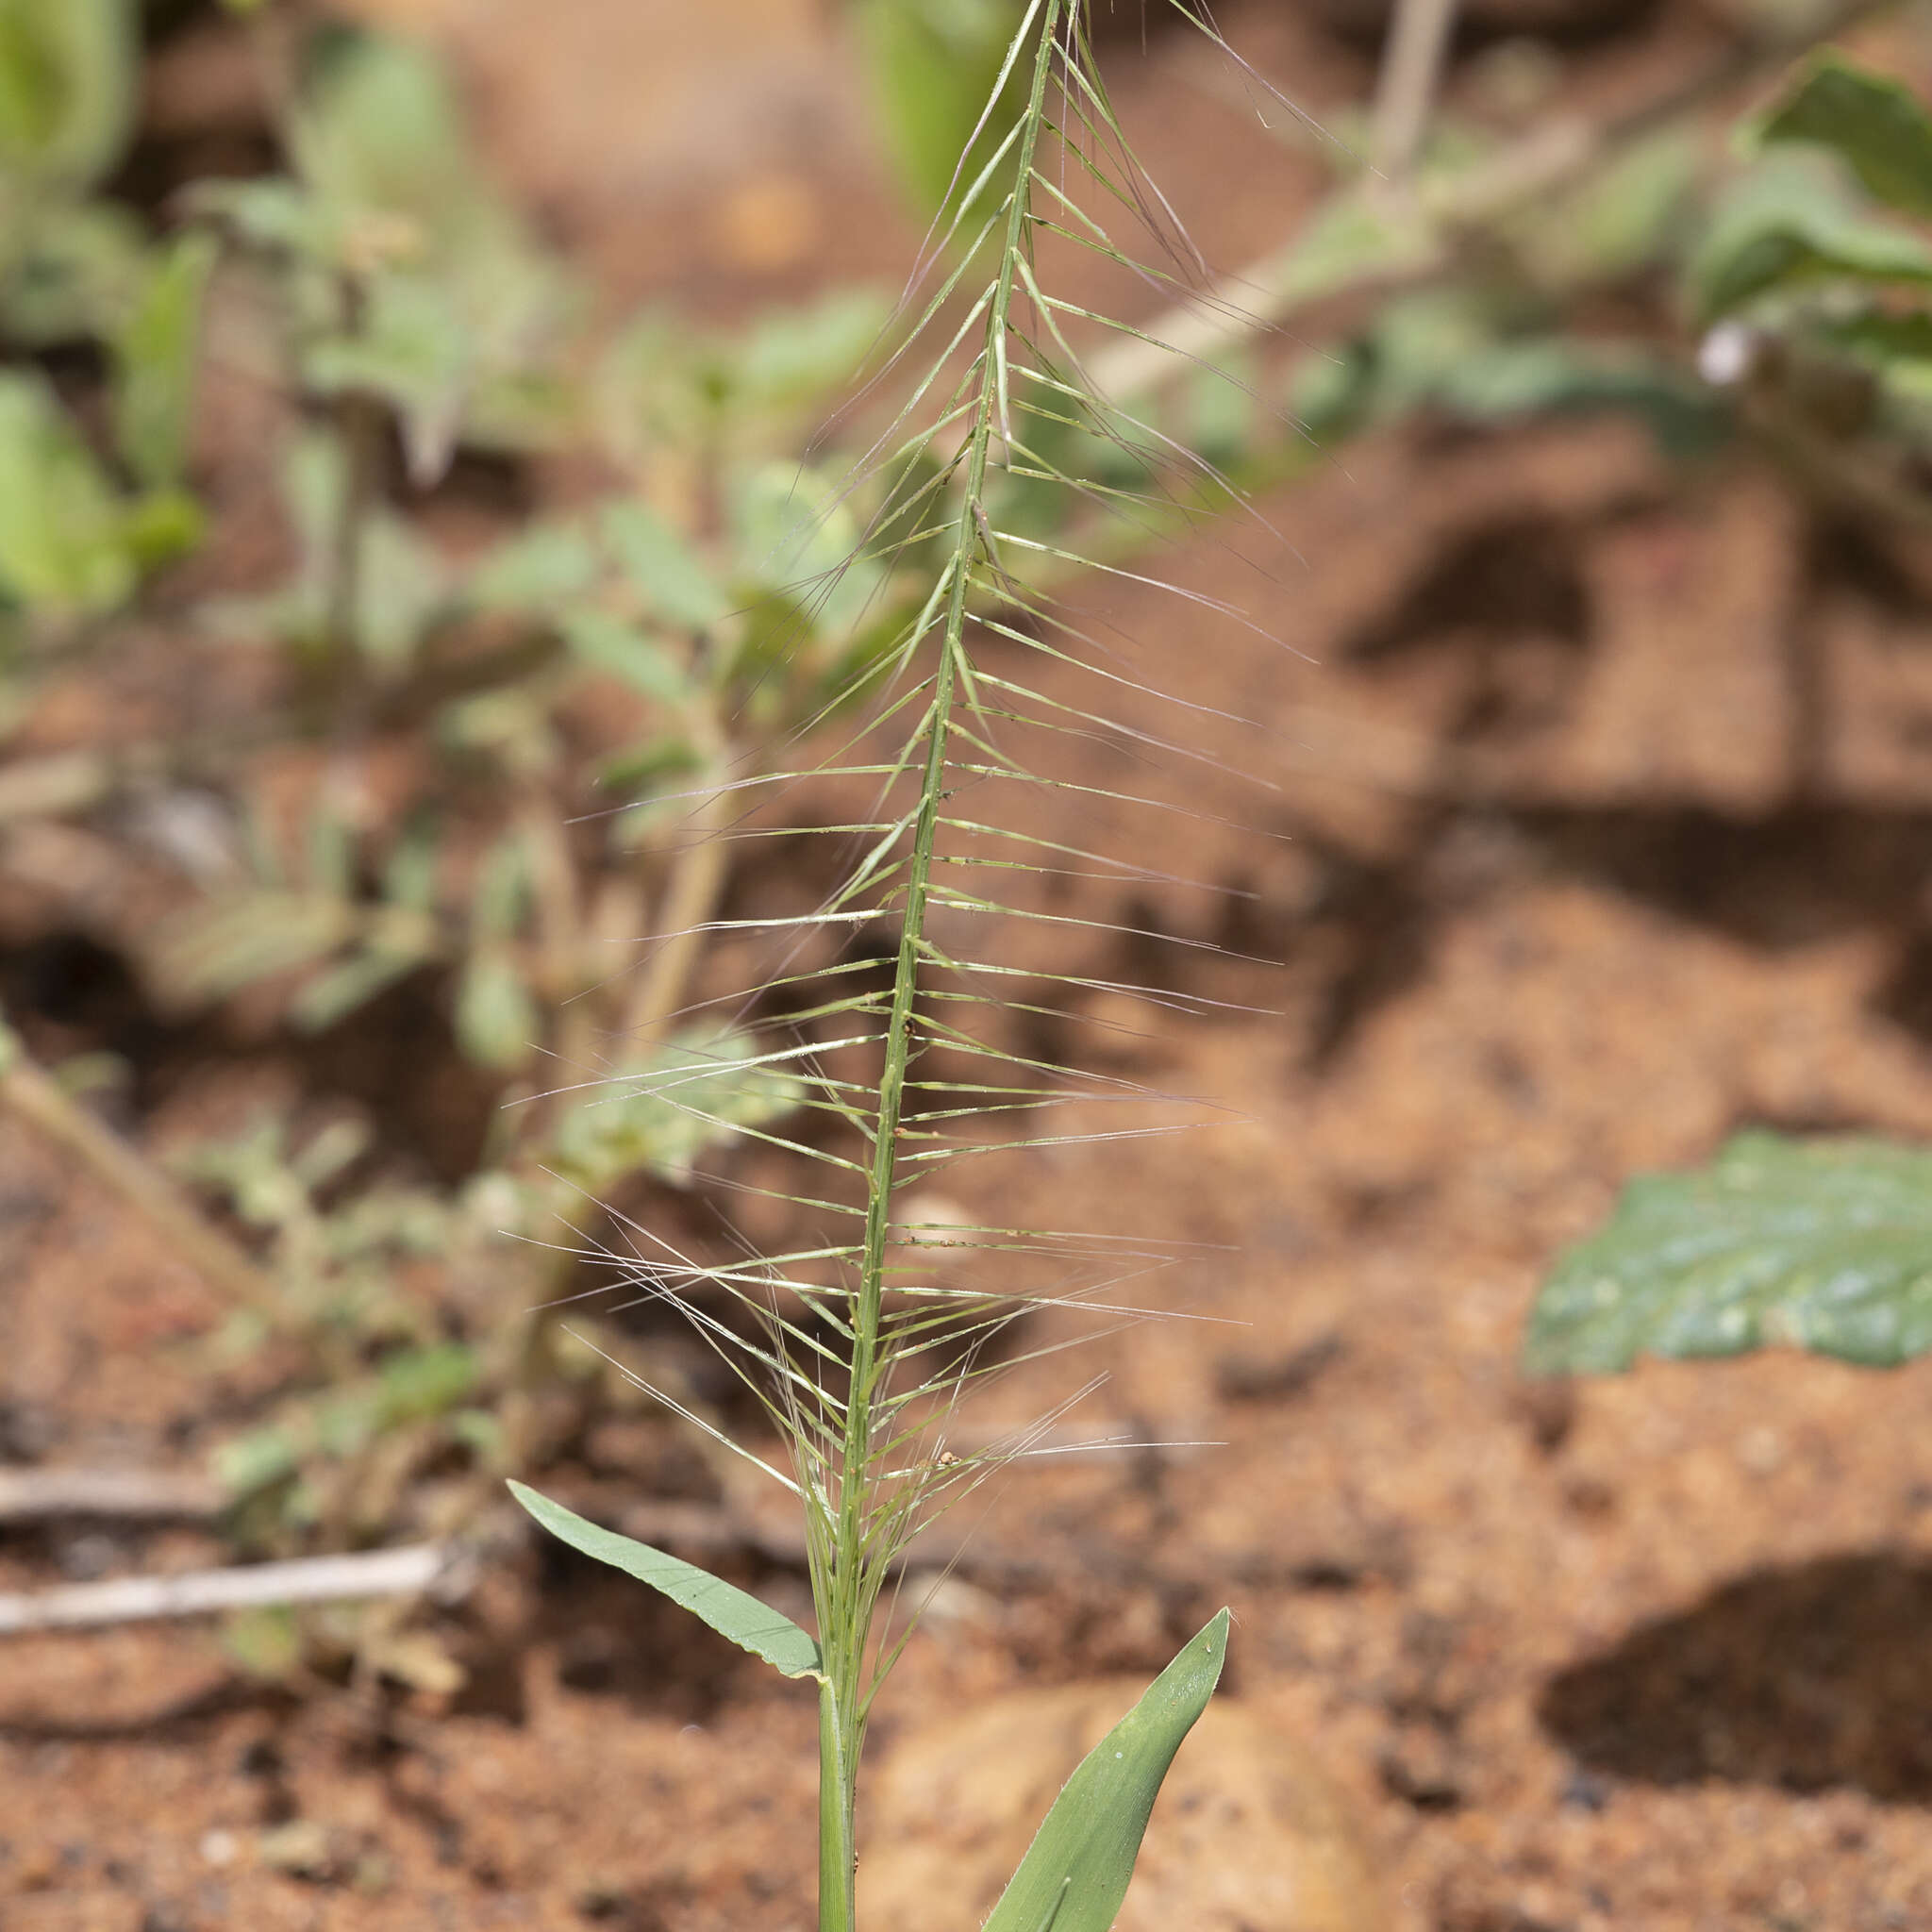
(1559,375)
(795,358)
(333,995)
(1872,122)
(698,1090)
(614,644)
(1787,225)
(797,540)
(266,1642)
(1078,1869)
(534,573)
(155,351)
(67,90)
(1621,218)
(63,531)
(497,1019)
(934,65)
(1822,1245)
(210,951)
(411,349)
(662,567)
(69,270)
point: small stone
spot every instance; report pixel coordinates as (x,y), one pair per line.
(219,1848)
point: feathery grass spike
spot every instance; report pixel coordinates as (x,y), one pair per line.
(897,1009)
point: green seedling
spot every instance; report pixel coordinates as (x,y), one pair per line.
(856,1351)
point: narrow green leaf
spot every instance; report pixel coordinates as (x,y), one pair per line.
(1874,124)
(155,353)
(1075,1872)
(730,1611)
(1823,1244)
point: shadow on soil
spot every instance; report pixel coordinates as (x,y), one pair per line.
(1806,1678)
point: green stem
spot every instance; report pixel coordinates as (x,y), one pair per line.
(838,1850)
(847,1593)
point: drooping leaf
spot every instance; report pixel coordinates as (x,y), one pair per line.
(1872,122)
(732,1612)
(1076,1871)
(1822,1245)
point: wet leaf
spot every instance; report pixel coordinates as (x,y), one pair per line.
(1822,1245)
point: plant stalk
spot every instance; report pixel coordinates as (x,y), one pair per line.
(846,1595)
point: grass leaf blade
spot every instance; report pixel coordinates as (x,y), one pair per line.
(756,1626)
(1075,1872)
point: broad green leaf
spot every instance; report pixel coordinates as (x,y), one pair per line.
(662,567)
(1783,227)
(731,1612)
(1822,1245)
(1075,1872)
(155,353)
(1874,122)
